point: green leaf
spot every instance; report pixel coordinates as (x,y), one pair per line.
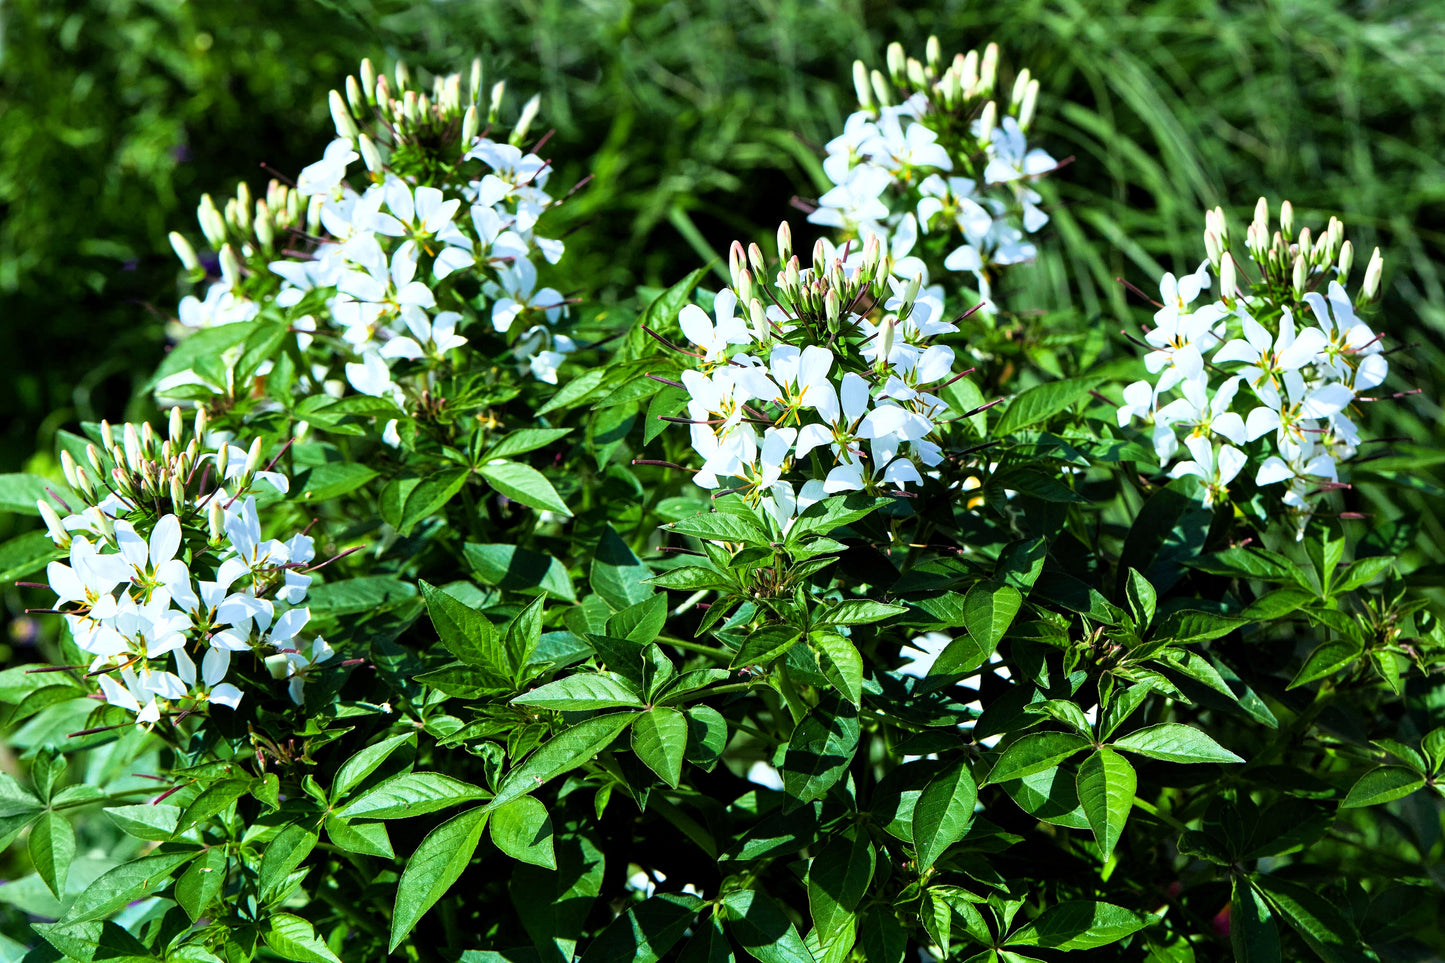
(591,690)
(1277,604)
(287,851)
(93,941)
(368,839)
(437,863)
(820,749)
(762,929)
(1142,599)
(1174,742)
(722,526)
(1039,403)
(217,797)
(821,518)
(575,391)
(707,735)
(564,752)
(20,492)
(1079,925)
(841,663)
(838,879)
(988,611)
(1250,562)
(25,555)
(646,931)
(353,595)
(765,645)
(523,830)
(1327,658)
(1252,933)
(292,938)
(690,578)
(1363,572)
(330,480)
(1106,785)
(659,737)
(522,634)
(523,440)
(430,495)
(365,762)
(640,622)
(201,882)
(525,484)
(1191,626)
(617,574)
(1033,753)
(859,612)
(943,814)
(124,884)
(144,821)
(709,944)
(1382,785)
(1320,923)
(510,567)
(410,794)
(882,937)
(52,846)
(465,632)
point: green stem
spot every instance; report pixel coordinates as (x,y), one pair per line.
(1158,814)
(711,651)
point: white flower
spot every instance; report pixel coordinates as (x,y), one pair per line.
(1201,415)
(517,283)
(1352,352)
(325,176)
(1268,359)
(1009,156)
(1215,468)
(714,339)
(855,200)
(300,666)
(430,337)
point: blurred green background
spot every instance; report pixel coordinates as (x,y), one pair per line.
(699,121)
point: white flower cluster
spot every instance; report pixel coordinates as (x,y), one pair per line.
(372,263)
(939,160)
(133,601)
(816,382)
(1267,374)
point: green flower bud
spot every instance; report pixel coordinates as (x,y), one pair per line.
(471,126)
(499,89)
(897,62)
(987,120)
(216,521)
(1021,84)
(276,664)
(933,53)
(355,98)
(1347,260)
(529,114)
(1373,273)
(403,76)
(861,86)
(132,447)
(230,265)
(880,89)
(988,68)
(755,258)
(185,252)
(265,228)
(1228,282)
(370,156)
(223,461)
(916,76)
(785,241)
(175,427)
(736,259)
(368,82)
(53,525)
(341,117)
(213,226)
(1030,102)
(1300,274)
(474,87)
(1286,220)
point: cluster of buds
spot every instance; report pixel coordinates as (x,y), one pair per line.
(817,298)
(1269,371)
(930,151)
(399,114)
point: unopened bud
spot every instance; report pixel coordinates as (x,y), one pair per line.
(107,434)
(185,252)
(68,468)
(897,62)
(53,524)
(494,108)
(230,265)
(216,521)
(178,492)
(452,100)
(213,226)
(176,426)
(755,258)
(1227,280)
(880,88)
(1306,242)
(872,252)
(474,85)
(1347,260)
(370,156)
(737,261)
(832,308)
(403,76)
(967,69)
(1027,107)
(933,53)
(916,77)
(885,339)
(277,665)
(132,447)
(265,229)
(1021,84)
(744,285)
(354,97)
(988,68)
(223,461)
(820,258)
(1211,247)
(986,121)
(253,458)
(383,95)
(341,116)
(313,214)
(423,109)
(83,484)
(759,316)
(471,125)
(198,427)
(1261,214)
(411,107)
(792,276)
(368,82)
(861,85)
(911,294)
(785,241)
(1300,274)
(529,114)
(92,455)
(1286,220)
(1373,272)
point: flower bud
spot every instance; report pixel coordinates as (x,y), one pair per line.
(1306,242)
(494,108)
(1347,260)
(424,110)
(175,427)
(185,252)
(216,521)
(872,253)
(68,468)
(986,121)
(897,62)
(452,94)
(277,665)
(916,77)
(886,331)
(313,214)
(1286,220)
(265,228)
(967,69)
(1300,274)
(1221,228)
(860,85)
(832,309)
(933,53)
(132,447)
(820,258)
(529,114)
(198,427)
(1261,214)
(253,458)
(107,434)
(988,68)
(411,108)
(952,89)
(1026,109)
(1021,84)
(474,86)
(403,76)
(354,98)
(792,276)
(230,265)
(755,258)
(880,89)
(1227,280)
(53,525)
(785,241)
(1373,272)
(471,125)
(759,316)
(382,90)
(341,117)
(223,460)
(178,493)
(737,260)
(92,455)
(213,226)
(368,81)
(1211,248)
(83,484)
(911,294)
(370,156)
(744,286)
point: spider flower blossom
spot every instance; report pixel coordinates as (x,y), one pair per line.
(1260,383)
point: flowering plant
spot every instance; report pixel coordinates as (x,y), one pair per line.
(420,629)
